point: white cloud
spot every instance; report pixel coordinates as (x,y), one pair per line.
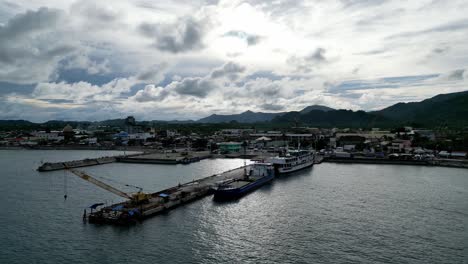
(194,57)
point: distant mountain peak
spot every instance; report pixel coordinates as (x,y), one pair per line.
(316,107)
(244,117)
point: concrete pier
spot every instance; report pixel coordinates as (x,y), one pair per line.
(52,166)
(128,212)
(454,163)
(167,157)
(148,158)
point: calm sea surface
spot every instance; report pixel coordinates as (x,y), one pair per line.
(330,213)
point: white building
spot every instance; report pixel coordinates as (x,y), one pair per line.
(236,132)
(49,136)
(140,136)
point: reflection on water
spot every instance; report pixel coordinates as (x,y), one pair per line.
(331,213)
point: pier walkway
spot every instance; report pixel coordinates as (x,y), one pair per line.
(454,163)
(183,157)
(162,201)
(52,166)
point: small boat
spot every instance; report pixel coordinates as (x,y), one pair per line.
(259,174)
(293,160)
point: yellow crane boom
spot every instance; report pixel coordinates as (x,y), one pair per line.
(101,184)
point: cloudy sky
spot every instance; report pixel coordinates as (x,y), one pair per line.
(186,59)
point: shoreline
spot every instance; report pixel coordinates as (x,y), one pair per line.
(133,148)
(451,163)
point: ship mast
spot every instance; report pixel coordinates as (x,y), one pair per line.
(244,144)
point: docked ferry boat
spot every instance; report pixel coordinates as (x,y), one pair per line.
(258,175)
(293,160)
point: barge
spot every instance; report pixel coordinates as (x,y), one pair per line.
(139,206)
(260,174)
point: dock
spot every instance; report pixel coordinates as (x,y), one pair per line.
(129,212)
(159,157)
(142,158)
(453,163)
(167,157)
(318,159)
(53,166)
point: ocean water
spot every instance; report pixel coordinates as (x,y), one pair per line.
(331,213)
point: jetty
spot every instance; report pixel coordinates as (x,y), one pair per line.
(154,157)
(183,157)
(53,166)
(144,158)
(141,206)
(452,163)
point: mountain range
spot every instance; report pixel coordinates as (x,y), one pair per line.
(449,110)
(441,110)
(245,117)
(254,117)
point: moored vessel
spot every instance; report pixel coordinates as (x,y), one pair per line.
(293,160)
(258,175)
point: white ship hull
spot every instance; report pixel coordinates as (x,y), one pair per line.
(296,168)
(293,161)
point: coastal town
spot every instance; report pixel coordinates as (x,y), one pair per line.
(273,152)
(403,143)
(246,131)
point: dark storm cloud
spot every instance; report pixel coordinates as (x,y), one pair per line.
(95,12)
(307,63)
(448,27)
(440,50)
(29,22)
(197,87)
(379,18)
(153,74)
(229,69)
(361,3)
(151,93)
(147,75)
(281,8)
(266,75)
(456,75)
(78,75)
(317,56)
(59,50)
(272,107)
(182,36)
(30,46)
(6,88)
(250,39)
(261,89)
(372,52)
(381,83)
(253,40)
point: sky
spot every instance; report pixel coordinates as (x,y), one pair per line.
(187,59)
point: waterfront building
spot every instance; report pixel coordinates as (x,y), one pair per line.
(229,147)
(370,135)
(236,133)
(68,133)
(429,134)
(400,145)
(122,136)
(47,136)
(140,136)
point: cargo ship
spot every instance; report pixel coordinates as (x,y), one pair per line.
(258,175)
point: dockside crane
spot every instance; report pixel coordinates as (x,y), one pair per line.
(137,198)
